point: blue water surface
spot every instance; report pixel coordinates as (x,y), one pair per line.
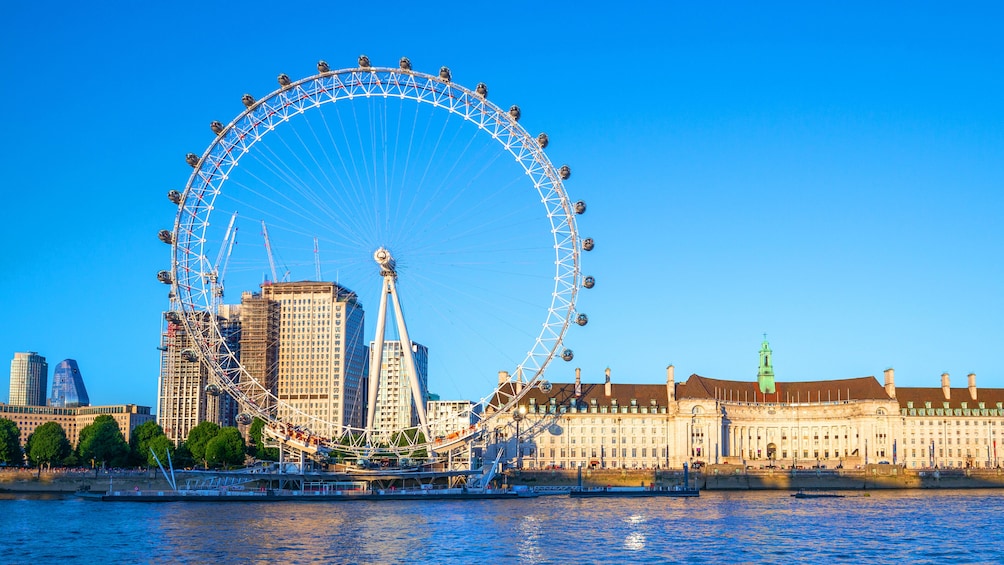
(741,527)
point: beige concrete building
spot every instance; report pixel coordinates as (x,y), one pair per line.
(321,354)
(28,418)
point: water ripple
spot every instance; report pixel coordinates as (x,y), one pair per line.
(764,527)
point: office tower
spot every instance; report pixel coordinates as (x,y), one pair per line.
(321,357)
(28,376)
(68,389)
(395,402)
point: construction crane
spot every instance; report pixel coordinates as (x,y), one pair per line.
(268,249)
(217,273)
(317,261)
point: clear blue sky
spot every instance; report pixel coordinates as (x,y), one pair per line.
(832,174)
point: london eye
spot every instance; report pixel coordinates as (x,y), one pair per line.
(391,187)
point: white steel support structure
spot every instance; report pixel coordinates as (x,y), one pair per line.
(389,274)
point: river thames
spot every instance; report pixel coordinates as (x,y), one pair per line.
(910,526)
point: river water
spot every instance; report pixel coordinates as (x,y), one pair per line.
(739,527)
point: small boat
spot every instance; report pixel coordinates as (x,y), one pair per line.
(631,492)
(816,494)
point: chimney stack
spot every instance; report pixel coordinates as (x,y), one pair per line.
(890,383)
(670,384)
(503,377)
(578,382)
(945,386)
(972,385)
(606,384)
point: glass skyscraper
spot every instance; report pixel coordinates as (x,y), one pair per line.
(68,389)
(28,376)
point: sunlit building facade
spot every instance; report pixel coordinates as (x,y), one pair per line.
(759,423)
(72,420)
(29,374)
(396,408)
(321,358)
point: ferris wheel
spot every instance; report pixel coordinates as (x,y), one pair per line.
(330,175)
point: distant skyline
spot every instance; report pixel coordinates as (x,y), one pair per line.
(832,176)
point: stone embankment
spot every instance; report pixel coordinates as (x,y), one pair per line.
(61,480)
(712,477)
(733,477)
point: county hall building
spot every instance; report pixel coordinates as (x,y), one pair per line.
(758,423)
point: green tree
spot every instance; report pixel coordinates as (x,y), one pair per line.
(256,444)
(161,445)
(139,443)
(182,457)
(10,443)
(198,437)
(48,445)
(226,448)
(102,441)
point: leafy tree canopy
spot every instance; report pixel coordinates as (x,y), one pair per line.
(161,445)
(198,437)
(226,448)
(102,441)
(139,442)
(256,442)
(48,445)
(10,443)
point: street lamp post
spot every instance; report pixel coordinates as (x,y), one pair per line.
(517,417)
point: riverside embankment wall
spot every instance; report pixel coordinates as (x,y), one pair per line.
(71,481)
(715,477)
(730,477)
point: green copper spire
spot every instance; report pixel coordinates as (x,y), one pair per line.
(765,376)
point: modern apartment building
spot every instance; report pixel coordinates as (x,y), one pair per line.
(396,409)
(183,397)
(29,374)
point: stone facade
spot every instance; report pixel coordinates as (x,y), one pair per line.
(28,418)
(826,424)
